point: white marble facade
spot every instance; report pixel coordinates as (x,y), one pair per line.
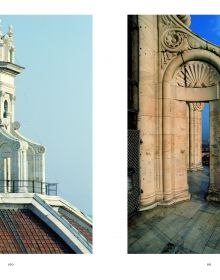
(20,158)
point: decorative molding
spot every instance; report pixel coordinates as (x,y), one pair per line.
(186,19)
(176,37)
(24,146)
(16,125)
(7,85)
(197,74)
(12,97)
(195,43)
(166,57)
(165,20)
(173,39)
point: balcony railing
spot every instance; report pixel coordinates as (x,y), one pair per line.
(28,186)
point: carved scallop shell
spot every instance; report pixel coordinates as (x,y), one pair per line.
(197,74)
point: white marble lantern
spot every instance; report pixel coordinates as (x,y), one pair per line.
(22,162)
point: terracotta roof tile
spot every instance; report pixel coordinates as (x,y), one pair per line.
(21,231)
(87,234)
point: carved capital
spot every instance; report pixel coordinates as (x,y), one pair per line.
(41,149)
(12,97)
(24,146)
(16,146)
(198,106)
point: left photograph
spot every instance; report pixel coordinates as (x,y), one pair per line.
(46,96)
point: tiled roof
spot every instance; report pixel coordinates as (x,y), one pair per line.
(85,232)
(22,232)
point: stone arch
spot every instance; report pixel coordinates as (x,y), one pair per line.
(186,56)
(172,193)
(5,109)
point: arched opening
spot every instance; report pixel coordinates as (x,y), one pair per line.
(198,175)
(5,113)
(174,144)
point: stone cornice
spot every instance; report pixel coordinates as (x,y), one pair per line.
(11,67)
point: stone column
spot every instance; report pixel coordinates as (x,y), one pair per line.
(40,164)
(39,171)
(168,143)
(187,136)
(214,116)
(191,138)
(195,130)
(31,165)
(199,144)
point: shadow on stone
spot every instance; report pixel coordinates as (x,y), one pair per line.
(171,248)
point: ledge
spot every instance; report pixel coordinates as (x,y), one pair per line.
(11,67)
(40,206)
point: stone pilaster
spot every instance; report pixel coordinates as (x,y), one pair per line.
(148,110)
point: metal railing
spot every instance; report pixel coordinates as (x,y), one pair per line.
(28,186)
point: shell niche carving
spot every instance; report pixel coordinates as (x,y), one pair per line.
(197,74)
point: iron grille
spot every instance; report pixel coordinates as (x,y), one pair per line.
(133,171)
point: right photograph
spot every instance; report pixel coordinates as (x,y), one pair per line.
(173,134)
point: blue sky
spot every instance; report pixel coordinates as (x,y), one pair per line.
(208,27)
(54,97)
